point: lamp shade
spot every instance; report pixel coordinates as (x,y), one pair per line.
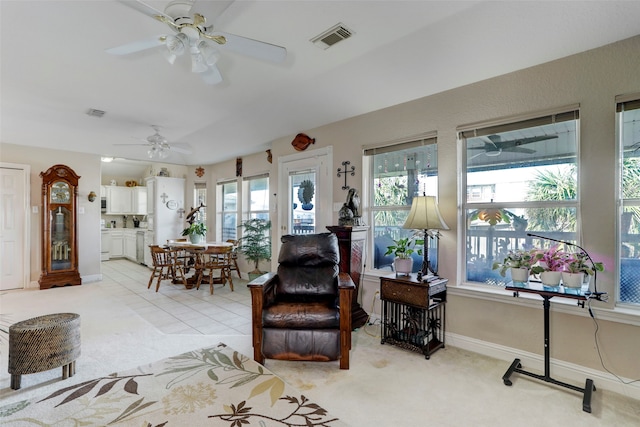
(424,215)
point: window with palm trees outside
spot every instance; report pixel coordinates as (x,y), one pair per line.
(397,174)
(628,117)
(520,177)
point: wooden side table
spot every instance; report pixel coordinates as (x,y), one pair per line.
(413,313)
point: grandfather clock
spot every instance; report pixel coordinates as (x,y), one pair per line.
(352,243)
(59,228)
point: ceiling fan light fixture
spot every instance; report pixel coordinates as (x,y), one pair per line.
(198,65)
(209,53)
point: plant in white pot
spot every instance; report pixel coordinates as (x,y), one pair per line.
(518,263)
(402,249)
(196,232)
(578,268)
(551,263)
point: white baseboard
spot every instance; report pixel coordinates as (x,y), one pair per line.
(92,278)
(561,370)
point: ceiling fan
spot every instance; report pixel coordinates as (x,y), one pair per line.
(192,22)
(159,146)
(496,146)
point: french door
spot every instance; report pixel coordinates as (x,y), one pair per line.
(304,201)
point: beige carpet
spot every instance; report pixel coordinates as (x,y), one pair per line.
(386,386)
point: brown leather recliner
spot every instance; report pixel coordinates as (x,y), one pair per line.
(303,312)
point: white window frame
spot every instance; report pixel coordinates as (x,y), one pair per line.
(247,212)
(221,212)
(369,209)
(498,126)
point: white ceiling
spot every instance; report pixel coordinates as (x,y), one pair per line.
(54,68)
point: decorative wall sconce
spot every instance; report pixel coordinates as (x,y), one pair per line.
(92,196)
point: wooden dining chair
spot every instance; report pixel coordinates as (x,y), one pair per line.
(234,257)
(215,258)
(165,266)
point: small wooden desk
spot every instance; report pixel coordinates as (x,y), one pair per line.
(413,313)
(516,366)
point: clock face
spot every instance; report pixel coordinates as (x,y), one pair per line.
(60,192)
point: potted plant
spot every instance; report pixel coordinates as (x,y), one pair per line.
(255,243)
(402,249)
(519,264)
(578,268)
(551,263)
(196,232)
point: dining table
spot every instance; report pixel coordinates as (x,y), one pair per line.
(195,254)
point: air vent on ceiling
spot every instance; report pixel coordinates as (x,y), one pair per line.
(332,36)
(95,113)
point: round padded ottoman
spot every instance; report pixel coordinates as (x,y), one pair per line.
(43,343)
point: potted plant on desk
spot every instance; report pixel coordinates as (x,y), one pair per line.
(196,232)
(255,243)
(577,271)
(551,263)
(402,249)
(518,263)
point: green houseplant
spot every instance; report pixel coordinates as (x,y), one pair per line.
(551,263)
(520,262)
(255,243)
(402,249)
(196,232)
(578,268)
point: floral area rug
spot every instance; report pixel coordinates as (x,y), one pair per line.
(214,386)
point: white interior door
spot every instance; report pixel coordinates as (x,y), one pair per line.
(14,258)
(305,192)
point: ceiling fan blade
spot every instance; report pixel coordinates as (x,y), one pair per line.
(519,150)
(249,47)
(212,76)
(137,46)
(143,7)
(132,144)
(211,10)
(179,150)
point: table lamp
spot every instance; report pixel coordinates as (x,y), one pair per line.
(424,215)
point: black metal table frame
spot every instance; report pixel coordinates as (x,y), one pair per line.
(516,365)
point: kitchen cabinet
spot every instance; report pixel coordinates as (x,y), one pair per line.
(126,200)
(105,245)
(117,244)
(130,244)
(119,200)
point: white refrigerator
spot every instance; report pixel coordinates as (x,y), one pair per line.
(165,208)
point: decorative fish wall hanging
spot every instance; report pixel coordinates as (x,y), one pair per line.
(301,142)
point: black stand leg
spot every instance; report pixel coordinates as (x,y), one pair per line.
(517,367)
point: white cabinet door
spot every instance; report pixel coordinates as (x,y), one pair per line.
(139,200)
(117,244)
(130,244)
(118,200)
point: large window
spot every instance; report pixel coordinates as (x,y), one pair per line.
(227,204)
(520,177)
(256,202)
(397,174)
(628,116)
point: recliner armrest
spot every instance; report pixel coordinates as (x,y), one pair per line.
(345,281)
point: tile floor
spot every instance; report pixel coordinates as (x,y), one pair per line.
(176,310)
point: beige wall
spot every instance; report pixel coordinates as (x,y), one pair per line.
(87,166)
(591,79)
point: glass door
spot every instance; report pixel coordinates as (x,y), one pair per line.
(302,209)
(304,193)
